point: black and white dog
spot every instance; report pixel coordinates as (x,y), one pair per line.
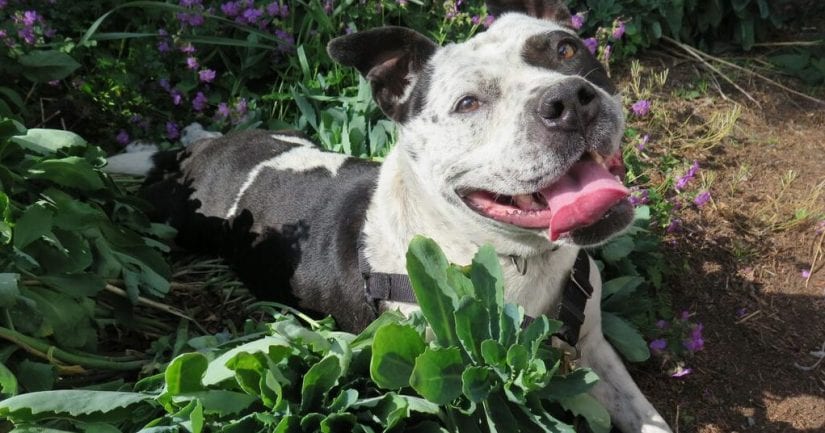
(510,138)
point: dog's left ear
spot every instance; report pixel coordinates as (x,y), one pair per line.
(391,58)
(554,10)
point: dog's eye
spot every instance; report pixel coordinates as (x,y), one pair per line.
(467,104)
(566,50)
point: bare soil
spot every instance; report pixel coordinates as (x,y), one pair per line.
(738,265)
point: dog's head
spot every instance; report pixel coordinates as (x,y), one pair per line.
(518,128)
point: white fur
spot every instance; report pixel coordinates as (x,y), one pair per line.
(137,163)
(439,151)
(297,159)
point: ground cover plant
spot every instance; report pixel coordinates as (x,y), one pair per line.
(81,269)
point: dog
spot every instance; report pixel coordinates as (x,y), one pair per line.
(510,138)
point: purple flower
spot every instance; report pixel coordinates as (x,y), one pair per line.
(328,7)
(695,342)
(682,182)
(223,110)
(401,3)
(641,107)
(177,96)
(251,15)
(577,21)
(188,49)
(684,315)
(164,47)
(674,226)
(820,227)
(273,9)
(190,3)
(702,199)
(288,40)
(682,372)
(806,273)
(643,142)
(164,84)
(27,34)
(30,18)
(199,102)
(3,3)
(741,312)
(489,21)
(592,44)
(231,9)
(206,75)
(241,107)
(640,197)
(658,345)
(122,137)
(662,324)
(284,12)
(172,131)
(618,29)
(192,63)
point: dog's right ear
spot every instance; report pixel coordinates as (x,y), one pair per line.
(391,58)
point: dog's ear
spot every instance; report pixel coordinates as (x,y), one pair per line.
(391,58)
(554,10)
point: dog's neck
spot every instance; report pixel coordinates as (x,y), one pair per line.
(400,209)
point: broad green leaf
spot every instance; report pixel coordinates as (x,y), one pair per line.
(75,285)
(184,373)
(8,383)
(591,410)
(48,141)
(487,278)
(472,325)
(47,65)
(625,284)
(509,323)
(72,402)
(499,417)
(10,128)
(35,221)
(367,336)
(576,382)
(35,376)
(537,332)
(618,248)
(426,266)
(477,383)
(69,318)
(517,357)
(318,381)
(338,422)
(219,401)
(394,350)
(72,172)
(437,374)
(217,371)
(9,291)
(494,353)
(625,338)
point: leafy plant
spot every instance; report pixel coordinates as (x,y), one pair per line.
(481,372)
(65,230)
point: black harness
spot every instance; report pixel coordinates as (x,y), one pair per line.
(577,290)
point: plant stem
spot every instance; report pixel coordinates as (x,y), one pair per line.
(55,355)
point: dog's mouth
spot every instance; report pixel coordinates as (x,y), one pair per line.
(582,197)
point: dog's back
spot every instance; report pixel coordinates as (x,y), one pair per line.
(286,214)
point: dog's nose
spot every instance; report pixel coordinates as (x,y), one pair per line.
(570,105)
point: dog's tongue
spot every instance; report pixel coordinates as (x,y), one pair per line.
(581,197)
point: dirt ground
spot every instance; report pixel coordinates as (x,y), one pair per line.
(739,265)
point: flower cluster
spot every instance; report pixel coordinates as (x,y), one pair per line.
(26,27)
(677,340)
(602,44)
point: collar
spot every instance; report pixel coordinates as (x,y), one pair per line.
(577,291)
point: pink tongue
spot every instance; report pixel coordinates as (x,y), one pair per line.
(581,197)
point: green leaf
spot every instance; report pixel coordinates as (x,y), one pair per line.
(217,371)
(565,386)
(426,267)
(625,338)
(318,381)
(35,221)
(35,376)
(537,332)
(593,412)
(625,285)
(47,65)
(72,172)
(510,323)
(472,325)
(8,383)
(9,290)
(499,417)
(48,141)
(72,402)
(184,373)
(487,278)
(75,285)
(477,383)
(494,353)
(437,374)
(70,319)
(517,357)
(218,401)
(394,350)
(617,249)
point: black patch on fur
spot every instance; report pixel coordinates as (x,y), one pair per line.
(542,51)
(294,236)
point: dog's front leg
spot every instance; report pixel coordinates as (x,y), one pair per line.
(616,391)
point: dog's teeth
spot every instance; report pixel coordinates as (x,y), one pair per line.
(526,202)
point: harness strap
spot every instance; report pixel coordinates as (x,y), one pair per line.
(577,291)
